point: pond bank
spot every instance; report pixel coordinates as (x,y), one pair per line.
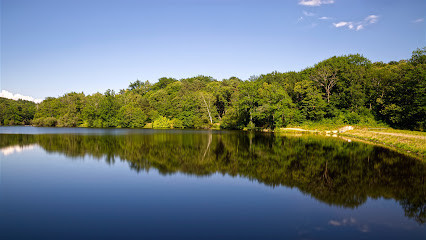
(412,143)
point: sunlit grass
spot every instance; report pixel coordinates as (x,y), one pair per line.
(409,141)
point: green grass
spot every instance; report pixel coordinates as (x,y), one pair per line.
(391,130)
(408,142)
(411,142)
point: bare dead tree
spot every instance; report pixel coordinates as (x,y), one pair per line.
(208,146)
(326,77)
(208,109)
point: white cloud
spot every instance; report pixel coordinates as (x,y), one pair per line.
(342,24)
(334,223)
(308,14)
(9,95)
(358,25)
(345,221)
(371,19)
(324,18)
(315,3)
(418,20)
(350,222)
(17,148)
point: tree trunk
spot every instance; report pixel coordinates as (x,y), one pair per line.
(208,146)
(328,95)
(208,110)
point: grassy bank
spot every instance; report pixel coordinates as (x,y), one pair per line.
(412,143)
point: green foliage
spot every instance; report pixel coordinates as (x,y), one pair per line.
(18,112)
(346,89)
(45,122)
(131,116)
(418,56)
(310,100)
(163,83)
(162,122)
(230,120)
(251,126)
(176,123)
(139,87)
(399,95)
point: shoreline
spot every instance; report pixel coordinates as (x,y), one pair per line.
(411,143)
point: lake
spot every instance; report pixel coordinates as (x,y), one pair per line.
(78,183)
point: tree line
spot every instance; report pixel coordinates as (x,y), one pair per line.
(348,89)
(16,112)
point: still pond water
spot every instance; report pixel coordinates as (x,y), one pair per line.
(61,183)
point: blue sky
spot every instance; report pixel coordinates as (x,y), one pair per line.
(51,47)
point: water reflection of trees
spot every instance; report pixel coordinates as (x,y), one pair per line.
(331,170)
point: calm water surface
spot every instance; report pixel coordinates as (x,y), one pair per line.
(59,183)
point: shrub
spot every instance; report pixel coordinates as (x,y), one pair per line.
(176,123)
(161,122)
(230,119)
(251,126)
(352,118)
(50,122)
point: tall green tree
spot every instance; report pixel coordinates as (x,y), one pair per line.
(310,100)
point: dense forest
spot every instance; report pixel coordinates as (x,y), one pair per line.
(331,170)
(348,89)
(16,112)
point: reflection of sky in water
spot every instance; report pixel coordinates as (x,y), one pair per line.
(350,222)
(16,149)
(89,198)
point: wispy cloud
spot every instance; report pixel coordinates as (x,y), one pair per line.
(419,20)
(324,18)
(358,25)
(9,95)
(371,19)
(350,25)
(308,14)
(315,3)
(345,221)
(350,222)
